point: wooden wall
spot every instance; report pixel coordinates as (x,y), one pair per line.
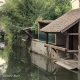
(60,39)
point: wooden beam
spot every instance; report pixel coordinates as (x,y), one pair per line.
(72,51)
(79,46)
(46,38)
(38,30)
(68,64)
(47,51)
(55,47)
(67,41)
(28,28)
(73,33)
(28,33)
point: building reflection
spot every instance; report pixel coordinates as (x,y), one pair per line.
(60,74)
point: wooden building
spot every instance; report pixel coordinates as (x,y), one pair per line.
(67,40)
(58,42)
(41,56)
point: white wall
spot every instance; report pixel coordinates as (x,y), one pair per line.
(38,46)
(43,57)
(75,4)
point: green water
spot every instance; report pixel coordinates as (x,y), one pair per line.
(60,74)
(18,70)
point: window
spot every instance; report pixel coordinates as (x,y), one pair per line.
(51,37)
(42,36)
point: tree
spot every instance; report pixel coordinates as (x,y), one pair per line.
(17,14)
(52,9)
(55,9)
(23,13)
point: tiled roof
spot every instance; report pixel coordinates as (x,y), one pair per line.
(64,22)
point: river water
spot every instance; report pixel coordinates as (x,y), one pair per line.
(61,74)
(18,70)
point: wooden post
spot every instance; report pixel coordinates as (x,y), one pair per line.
(47,52)
(67,41)
(67,46)
(79,47)
(38,30)
(47,62)
(46,38)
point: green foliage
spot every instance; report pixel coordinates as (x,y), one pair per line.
(8,48)
(35,29)
(17,14)
(55,9)
(51,10)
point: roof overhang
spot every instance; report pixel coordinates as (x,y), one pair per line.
(45,21)
(65,29)
(63,23)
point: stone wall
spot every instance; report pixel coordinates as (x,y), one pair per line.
(43,57)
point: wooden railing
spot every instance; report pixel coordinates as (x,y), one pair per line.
(61,48)
(56,47)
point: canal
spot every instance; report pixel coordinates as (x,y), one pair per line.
(19,70)
(60,74)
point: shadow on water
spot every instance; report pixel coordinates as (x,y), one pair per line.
(60,74)
(19,70)
(19,63)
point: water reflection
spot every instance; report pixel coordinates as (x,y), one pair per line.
(79,75)
(18,70)
(61,74)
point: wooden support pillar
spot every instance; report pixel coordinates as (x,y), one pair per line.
(79,47)
(46,38)
(67,41)
(67,47)
(47,51)
(67,44)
